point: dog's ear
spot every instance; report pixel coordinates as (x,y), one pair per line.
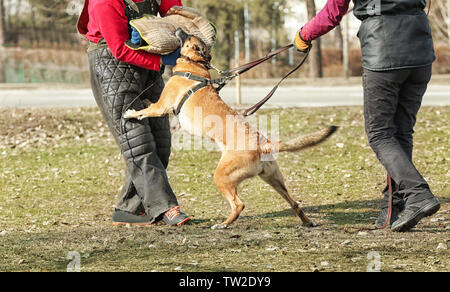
(181,35)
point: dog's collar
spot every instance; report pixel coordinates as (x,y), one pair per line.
(204,63)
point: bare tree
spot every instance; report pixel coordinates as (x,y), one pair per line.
(345,47)
(315,55)
(2,39)
(440,20)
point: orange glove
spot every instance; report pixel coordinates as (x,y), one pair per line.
(300,44)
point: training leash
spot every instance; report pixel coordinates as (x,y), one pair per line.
(256,107)
(227,76)
(353,230)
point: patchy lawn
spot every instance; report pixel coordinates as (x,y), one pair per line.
(61,173)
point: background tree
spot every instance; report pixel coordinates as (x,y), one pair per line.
(228,16)
(2,39)
(440,21)
(315,60)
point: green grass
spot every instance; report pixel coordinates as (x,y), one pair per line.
(61,174)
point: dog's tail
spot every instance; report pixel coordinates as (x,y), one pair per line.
(301,142)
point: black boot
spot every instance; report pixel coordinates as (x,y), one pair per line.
(384,214)
(415,212)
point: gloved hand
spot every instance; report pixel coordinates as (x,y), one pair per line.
(171,59)
(300,44)
(135,37)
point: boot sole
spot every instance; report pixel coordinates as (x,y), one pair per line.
(116,224)
(184,222)
(426,211)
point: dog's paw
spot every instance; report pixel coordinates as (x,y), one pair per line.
(130,114)
(219,226)
(310,225)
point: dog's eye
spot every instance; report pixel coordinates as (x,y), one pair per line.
(197,48)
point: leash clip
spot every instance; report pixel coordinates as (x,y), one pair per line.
(187,75)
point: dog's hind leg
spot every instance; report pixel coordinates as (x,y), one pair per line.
(232,170)
(272,175)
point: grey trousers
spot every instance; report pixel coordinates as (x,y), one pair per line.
(392,100)
(144,144)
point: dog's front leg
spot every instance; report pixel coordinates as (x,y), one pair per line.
(151,112)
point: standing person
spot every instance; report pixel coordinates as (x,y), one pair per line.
(397,55)
(121,79)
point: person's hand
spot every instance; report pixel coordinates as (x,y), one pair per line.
(300,44)
(171,59)
(135,37)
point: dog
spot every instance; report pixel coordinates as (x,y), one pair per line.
(236,164)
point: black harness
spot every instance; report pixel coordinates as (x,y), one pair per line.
(203,82)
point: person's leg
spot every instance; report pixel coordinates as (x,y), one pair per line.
(381,103)
(381,95)
(410,100)
(419,202)
(160,125)
(147,185)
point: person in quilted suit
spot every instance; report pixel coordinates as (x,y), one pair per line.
(122,79)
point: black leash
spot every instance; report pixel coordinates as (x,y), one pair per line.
(227,76)
(123,129)
(246,67)
(256,107)
(352,230)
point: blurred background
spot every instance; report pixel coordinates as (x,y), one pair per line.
(39,42)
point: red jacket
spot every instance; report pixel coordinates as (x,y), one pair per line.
(327,19)
(106,19)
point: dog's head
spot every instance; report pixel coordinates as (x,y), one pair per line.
(193,48)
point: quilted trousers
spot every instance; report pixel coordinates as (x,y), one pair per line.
(145,144)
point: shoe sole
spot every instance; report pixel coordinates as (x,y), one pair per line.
(184,222)
(426,211)
(117,224)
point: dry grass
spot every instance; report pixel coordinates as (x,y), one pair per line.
(61,173)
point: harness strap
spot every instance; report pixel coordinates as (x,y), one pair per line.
(133,5)
(203,83)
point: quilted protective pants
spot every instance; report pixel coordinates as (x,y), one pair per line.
(144,144)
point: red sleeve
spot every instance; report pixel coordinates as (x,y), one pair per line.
(167,4)
(113,25)
(327,19)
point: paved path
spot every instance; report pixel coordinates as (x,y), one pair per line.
(299,96)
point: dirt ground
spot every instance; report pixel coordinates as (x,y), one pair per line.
(61,173)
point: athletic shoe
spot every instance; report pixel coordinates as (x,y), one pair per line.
(175,217)
(125,218)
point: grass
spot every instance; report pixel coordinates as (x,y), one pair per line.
(61,174)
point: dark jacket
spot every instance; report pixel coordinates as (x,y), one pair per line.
(394,34)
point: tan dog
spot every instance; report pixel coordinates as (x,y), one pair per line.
(240,159)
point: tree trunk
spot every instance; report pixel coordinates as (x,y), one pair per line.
(2,40)
(315,55)
(447,20)
(346,47)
